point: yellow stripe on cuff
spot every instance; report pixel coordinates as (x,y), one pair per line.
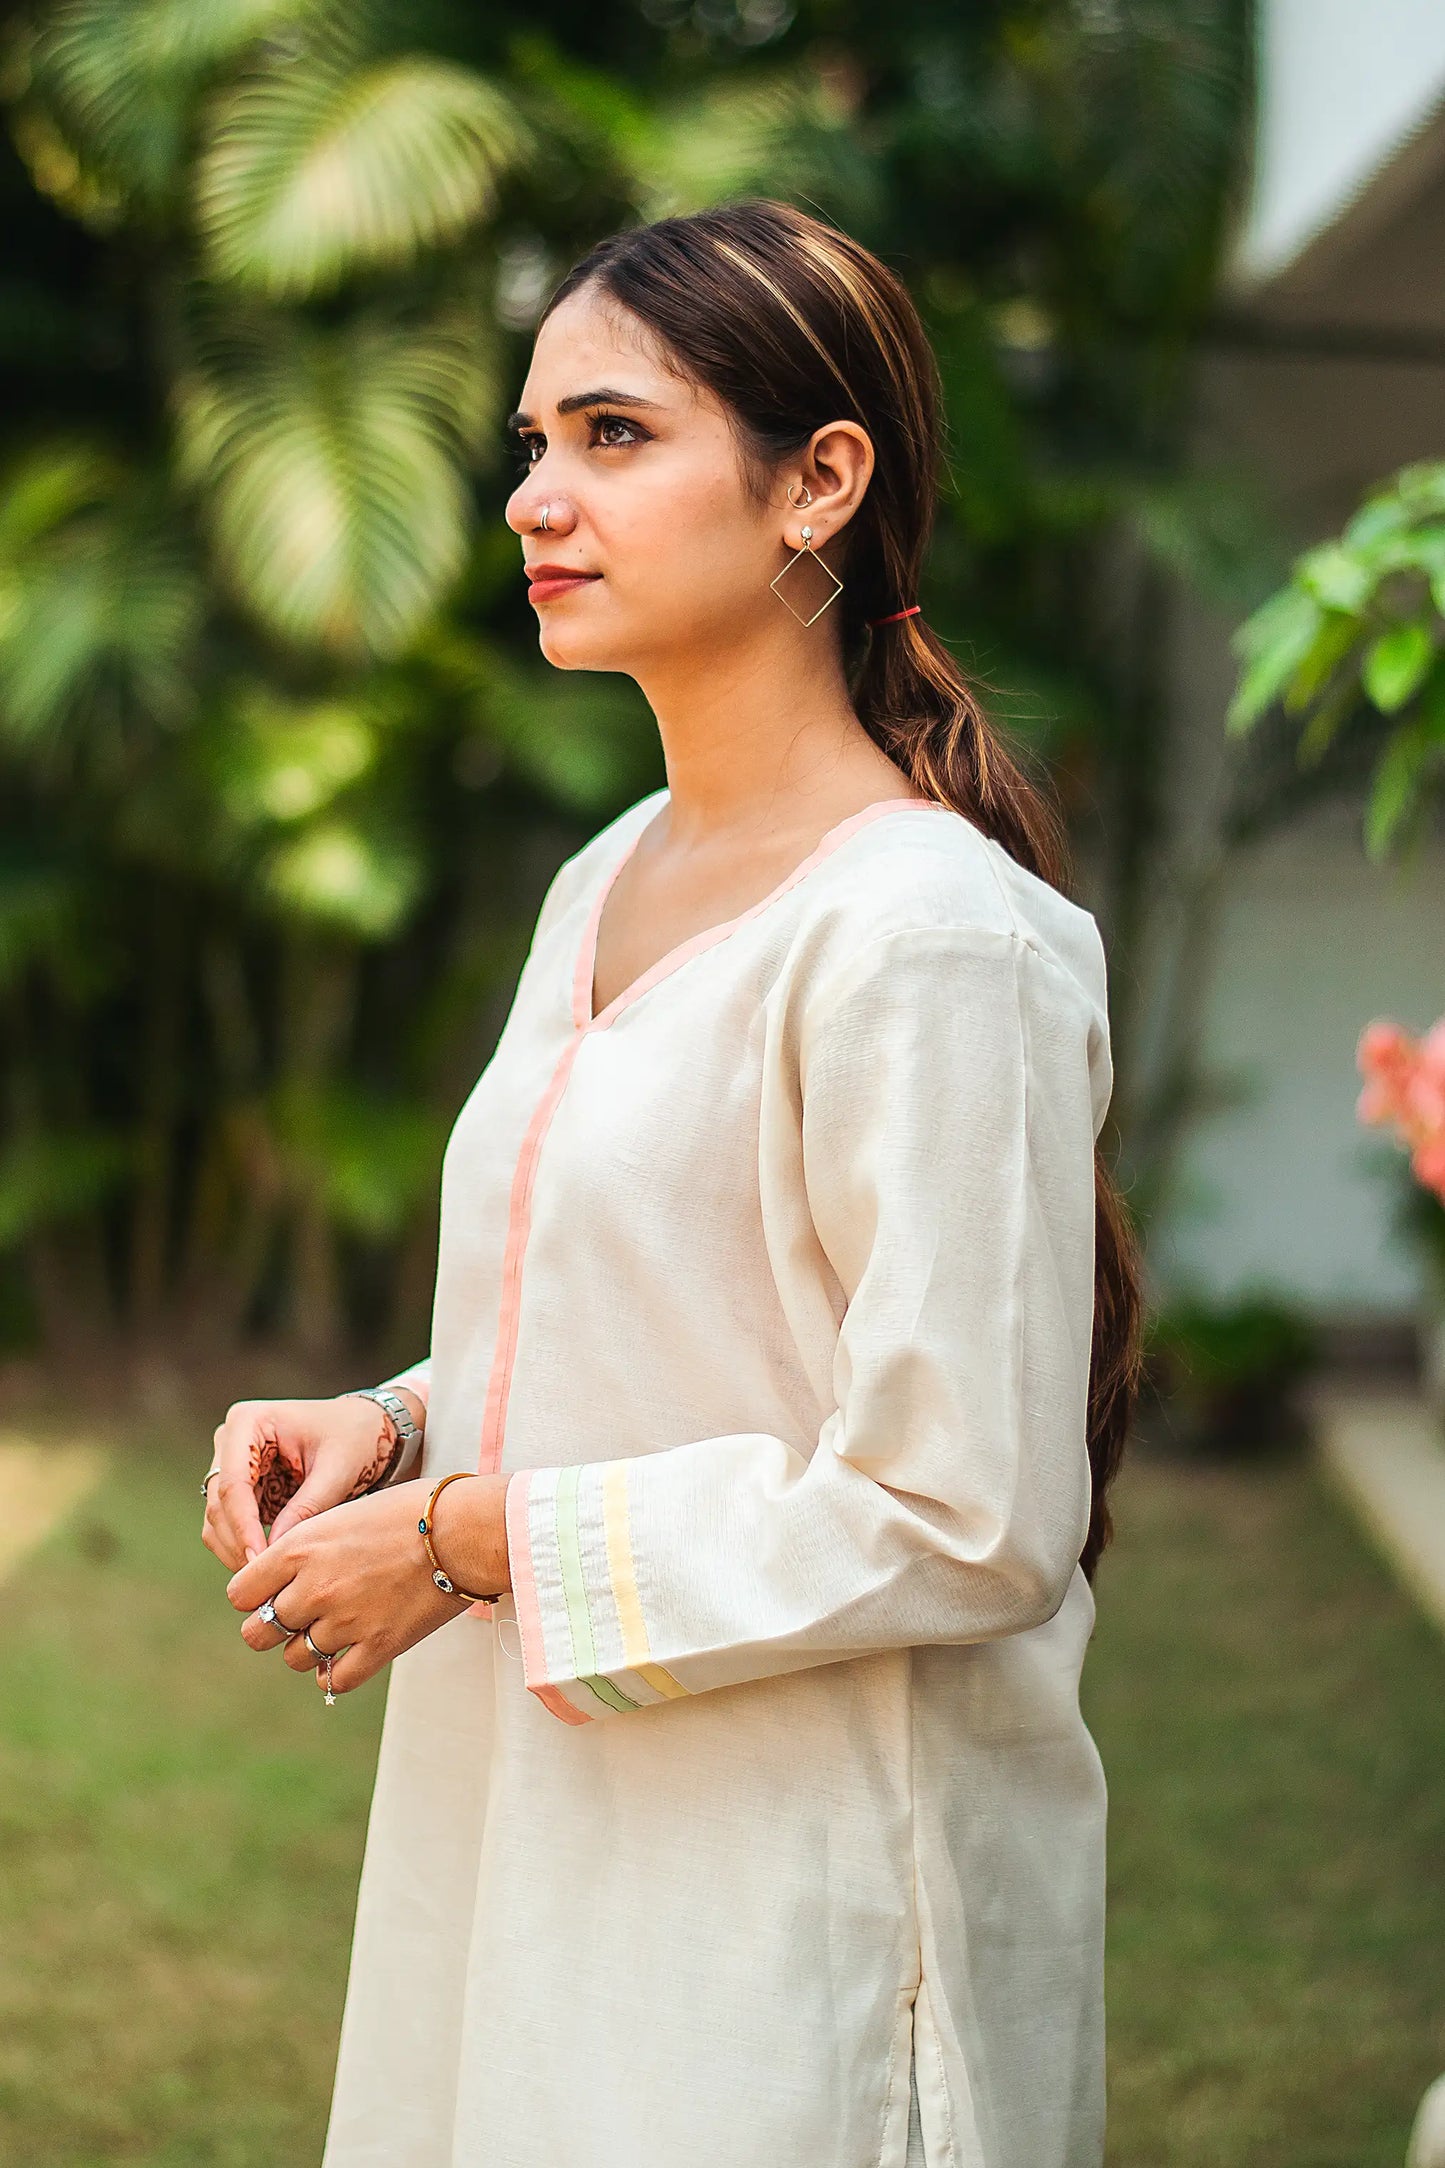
(636,1646)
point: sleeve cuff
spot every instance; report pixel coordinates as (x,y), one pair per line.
(585,1650)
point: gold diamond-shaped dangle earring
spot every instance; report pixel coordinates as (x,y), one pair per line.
(807,551)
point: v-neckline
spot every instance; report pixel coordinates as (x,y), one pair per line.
(585,974)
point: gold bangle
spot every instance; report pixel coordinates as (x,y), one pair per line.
(443,1580)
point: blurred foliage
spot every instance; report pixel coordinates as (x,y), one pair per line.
(1419,1221)
(283,774)
(1357,628)
(1221,1375)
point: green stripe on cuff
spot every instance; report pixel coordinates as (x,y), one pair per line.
(574,1588)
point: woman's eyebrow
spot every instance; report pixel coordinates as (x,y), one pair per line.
(576,400)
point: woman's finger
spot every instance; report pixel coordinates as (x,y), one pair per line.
(329,1484)
(354,1666)
(247,1452)
(300,1657)
(259,1634)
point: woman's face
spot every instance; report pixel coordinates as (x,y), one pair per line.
(640,471)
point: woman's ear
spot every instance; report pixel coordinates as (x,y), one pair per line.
(837,468)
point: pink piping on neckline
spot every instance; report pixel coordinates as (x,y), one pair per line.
(585,974)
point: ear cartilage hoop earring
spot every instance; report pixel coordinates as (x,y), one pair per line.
(807,497)
(806,551)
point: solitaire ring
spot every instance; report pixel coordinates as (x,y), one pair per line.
(267,1614)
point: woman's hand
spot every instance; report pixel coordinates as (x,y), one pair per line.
(359,1576)
(284,1461)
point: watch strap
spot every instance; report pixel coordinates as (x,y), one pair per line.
(408,1432)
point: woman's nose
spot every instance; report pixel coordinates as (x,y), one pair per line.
(533,511)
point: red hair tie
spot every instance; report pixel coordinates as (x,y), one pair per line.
(913,610)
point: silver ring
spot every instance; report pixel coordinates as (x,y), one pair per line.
(205,1493)
(320,1654)
(267,1614)
(542,518)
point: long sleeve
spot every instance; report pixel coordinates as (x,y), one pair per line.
(417,1379)
(948,1097)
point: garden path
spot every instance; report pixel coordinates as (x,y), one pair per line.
(1385,1450)
(39,1486)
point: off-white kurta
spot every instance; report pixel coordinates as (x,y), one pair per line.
(773,1282)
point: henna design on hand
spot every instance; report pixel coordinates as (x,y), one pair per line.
(273,1479)
(377,1467)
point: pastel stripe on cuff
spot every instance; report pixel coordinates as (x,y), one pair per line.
(622,1571)
(574,1590)
(528,1600)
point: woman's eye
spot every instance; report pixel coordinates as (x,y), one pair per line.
(615,421)
(526,451)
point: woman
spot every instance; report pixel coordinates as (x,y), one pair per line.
(786,1325)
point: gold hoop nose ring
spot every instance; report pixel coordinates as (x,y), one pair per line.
(543,517)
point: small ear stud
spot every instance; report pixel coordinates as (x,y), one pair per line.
(807,536)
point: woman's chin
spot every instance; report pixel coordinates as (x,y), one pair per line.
(570,649)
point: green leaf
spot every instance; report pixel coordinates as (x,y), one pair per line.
(315,170)
(1323,725)
(1274,641)
(1395,787)
(1338,578)
(1335,639)
(1396,664)
(331,463)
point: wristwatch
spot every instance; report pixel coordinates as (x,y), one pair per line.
(408,1433)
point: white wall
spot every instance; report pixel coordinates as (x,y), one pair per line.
(1343,83)
(1314,943)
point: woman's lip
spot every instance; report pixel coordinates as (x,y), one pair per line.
(540,588)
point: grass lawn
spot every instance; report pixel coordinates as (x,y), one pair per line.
(1271,1715)
(181,1825)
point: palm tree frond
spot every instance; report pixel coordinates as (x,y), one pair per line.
(111,87)
(315,171)
(331,462)
(100,605)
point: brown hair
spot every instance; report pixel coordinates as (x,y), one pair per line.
(791,324)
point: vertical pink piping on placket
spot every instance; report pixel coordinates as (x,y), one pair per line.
(518,1217)
(519,1210)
